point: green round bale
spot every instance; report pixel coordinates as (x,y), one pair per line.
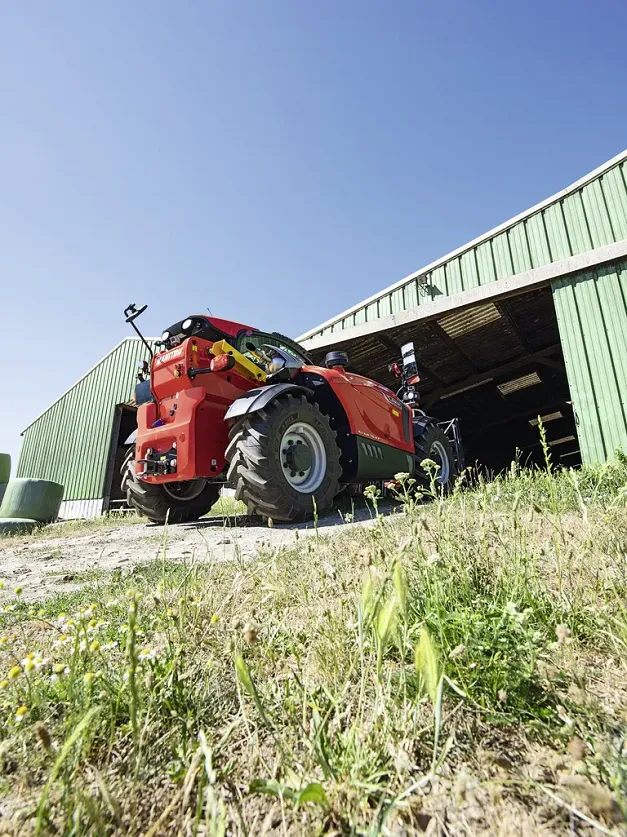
(17,526)
(5,467)
(3,488)
(32,500)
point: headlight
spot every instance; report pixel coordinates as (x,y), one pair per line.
(276,364)
(165,335)
(187,324)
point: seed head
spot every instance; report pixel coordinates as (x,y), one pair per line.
(250,634)
(564,634)
(44,736)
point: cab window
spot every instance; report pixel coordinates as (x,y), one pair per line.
(259,339)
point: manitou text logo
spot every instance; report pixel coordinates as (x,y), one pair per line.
(168,356)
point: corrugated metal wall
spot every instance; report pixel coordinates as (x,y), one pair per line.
(592,318)
(589,217)
(70,442)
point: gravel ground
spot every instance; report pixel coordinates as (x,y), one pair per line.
(44,566)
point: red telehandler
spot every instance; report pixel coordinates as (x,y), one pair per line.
(223,403)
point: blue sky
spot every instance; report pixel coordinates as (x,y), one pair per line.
(277,161)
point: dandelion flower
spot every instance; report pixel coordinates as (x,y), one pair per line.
(15,672)
(20,714)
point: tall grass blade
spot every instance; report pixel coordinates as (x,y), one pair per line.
(77,733)
(427,662)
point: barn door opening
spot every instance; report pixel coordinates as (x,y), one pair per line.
(124,427)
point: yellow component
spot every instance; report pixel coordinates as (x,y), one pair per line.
(243,365)
(395,413)
(177,373)
(194,347)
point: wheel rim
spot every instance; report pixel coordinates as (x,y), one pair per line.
(303,457)
(440,456)
(184,491)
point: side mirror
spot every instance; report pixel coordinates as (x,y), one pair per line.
(409,359)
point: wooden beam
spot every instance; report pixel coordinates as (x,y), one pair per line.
(533,412)
(437,330)
(554,364)
(486,374)
(504,310)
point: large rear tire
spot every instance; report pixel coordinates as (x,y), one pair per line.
(434,444)
(176,502)
(282,458)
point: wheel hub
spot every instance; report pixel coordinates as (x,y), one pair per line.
(298,456)
(303,457)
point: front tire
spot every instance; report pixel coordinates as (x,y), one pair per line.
(176,502)
(282,458)
(435,445)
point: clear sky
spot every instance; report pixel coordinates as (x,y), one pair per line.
(274,160)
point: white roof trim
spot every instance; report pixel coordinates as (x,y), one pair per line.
(76,383)
(574,187)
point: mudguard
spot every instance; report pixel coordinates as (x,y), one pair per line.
(421,423)
(258,398)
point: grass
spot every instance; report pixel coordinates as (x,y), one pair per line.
(460,668)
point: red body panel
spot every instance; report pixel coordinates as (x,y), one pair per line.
(192,412)
(373,410)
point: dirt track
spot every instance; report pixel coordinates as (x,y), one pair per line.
(45,566)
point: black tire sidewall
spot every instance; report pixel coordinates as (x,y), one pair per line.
(424,447)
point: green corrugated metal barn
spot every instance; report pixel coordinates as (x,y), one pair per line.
(79,440)
(528,320)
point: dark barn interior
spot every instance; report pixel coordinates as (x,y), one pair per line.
(496,366)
